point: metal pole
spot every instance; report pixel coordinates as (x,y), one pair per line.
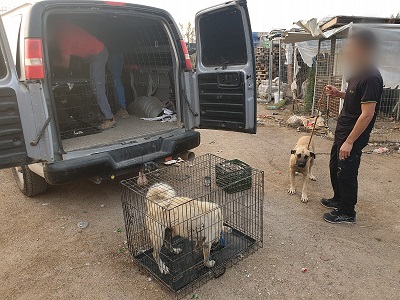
(279,73)
(270,71)
(398,108)
(316,77)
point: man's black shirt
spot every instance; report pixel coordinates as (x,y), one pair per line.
(362,89)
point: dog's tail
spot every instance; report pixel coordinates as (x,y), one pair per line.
(160,192)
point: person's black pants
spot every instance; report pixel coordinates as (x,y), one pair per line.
(344,179)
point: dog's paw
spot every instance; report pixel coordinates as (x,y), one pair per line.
(210,263)
(304,198)
(292,191)
(312,177)
(176,250)
(163,268)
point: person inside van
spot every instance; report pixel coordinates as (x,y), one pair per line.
(74,40)
(115,65)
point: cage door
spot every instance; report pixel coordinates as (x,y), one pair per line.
(225,72)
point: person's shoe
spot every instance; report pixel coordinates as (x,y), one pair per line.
(337,217)
(330,203)
(107,124)
(122,114)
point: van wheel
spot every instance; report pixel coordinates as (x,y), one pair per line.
(29,183)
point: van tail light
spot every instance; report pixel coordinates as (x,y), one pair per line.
(188,63)
(34,67)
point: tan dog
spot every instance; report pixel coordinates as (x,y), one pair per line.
(169,216)
(301,161)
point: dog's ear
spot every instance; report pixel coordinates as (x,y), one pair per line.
(312,154)
(293,151)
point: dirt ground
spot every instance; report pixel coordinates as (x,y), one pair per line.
(43,255)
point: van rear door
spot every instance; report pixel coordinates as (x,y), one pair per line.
(13,150)
(223,88)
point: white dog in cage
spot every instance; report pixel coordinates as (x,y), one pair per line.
(168,214)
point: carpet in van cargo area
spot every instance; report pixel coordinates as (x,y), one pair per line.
(126,129)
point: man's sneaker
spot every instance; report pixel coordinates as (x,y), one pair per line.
(337,217)
(107,124)
(330,203)
(122,114)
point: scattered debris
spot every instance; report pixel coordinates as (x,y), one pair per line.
(324,258)
(278,105)
(195,296)
(295,121)
(102,205)
(381,150)
(45,204)
(170,162)
(304,270)
(173,161)
(119,229)
(83,225)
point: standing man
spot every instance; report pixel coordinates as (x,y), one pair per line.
(73,40)
(356,120)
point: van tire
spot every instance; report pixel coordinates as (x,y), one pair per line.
(28,182)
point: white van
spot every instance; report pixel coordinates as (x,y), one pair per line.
(49,120)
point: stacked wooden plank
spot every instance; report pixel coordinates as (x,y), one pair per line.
(262,63)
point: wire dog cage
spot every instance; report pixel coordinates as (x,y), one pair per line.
(190,222)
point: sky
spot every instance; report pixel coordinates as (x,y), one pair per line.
(266,15)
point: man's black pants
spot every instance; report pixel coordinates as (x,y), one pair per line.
(344,179)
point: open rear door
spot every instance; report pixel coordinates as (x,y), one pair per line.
(12,143)
(224,86)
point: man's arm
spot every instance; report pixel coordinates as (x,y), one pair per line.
(367,113)
(333,91)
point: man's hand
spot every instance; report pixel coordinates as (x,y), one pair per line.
(334,92)
(345,150)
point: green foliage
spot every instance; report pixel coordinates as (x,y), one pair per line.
(309,93)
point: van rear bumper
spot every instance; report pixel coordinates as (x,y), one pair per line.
(120,161)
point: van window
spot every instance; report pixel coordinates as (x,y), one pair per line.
(223,38)
(3,69)
(12,27)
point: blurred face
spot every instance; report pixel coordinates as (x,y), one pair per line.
(356,57)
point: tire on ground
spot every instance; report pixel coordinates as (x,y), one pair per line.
(28,182)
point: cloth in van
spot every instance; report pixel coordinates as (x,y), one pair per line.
(73,40)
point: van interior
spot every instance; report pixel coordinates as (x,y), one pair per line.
(147,76)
